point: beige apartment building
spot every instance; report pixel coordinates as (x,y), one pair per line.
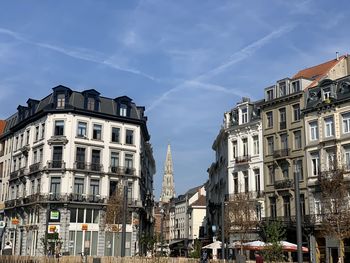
(284,142)
(327,126)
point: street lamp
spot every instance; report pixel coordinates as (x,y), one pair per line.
(298,215)
(125,208)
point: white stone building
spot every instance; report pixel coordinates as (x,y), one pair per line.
(62,158)
(239,161)
(187,217)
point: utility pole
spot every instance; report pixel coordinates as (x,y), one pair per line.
(48,208)
(161,231)
(298,216)
(125,211)
(223,229)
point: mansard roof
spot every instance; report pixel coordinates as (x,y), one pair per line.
(75,102)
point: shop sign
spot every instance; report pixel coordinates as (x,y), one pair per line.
(51,229)
(84,227)
(15,221)
(55,216)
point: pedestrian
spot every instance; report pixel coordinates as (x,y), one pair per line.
(204,256)
(258,258)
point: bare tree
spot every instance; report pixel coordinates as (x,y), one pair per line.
(241,215)
(334,188)
(114,211)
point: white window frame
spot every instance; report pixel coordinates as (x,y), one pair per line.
(328,126)
(315,164)
(346,122)
(313,130)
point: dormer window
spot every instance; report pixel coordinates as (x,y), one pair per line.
(123,109)
(326,93)
(269,94)
(91,103)
(282,89)
(296,86)
(244,115)
(61,100)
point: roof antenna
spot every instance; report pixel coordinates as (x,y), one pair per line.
(337,55)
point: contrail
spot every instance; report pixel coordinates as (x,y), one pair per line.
(85,54)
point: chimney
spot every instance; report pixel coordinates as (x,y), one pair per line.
(337,55)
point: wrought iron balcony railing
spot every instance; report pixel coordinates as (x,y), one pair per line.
(243,159)
(281,153)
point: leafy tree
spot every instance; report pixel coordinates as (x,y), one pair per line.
(274,232)
(334,195)
(149,242)
(114,211)
(241,215)
(196,253)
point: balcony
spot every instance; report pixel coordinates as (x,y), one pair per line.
(96,167)
(116,169)
(22,172)
(132,202)
(129,171)
(56,164)
(284,184)
(242,159)
(35,167)
(283,125)
(282,153)
(13,175)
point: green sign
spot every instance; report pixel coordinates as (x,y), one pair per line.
(54,215)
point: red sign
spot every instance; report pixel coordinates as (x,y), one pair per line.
(15,221)
(84,227)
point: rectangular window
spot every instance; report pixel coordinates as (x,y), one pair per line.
(91,103)
(82,126)
(235,183)
(246,181)
(256,144)
(123,110)
(79,186)
(296,86)
(282,89)
(269,119)
(271,174)
(270,145)
(286,206)
(57,157)
(80,158)
(61,100)
(283,122)
(296,112)
(55,186)
(315,161)
(284,141)
(347,158)
(329,127)
(245,146)
(313,131)
(27,136)
(346,122)
(96,160)
(297,140)
(97,132)
(114,161)
(129,137)
(257,180)
(36,133)
(59,128)
(234,149)
(129,161)
(269,94)
(42,130)
(273,210)
(244,115)
(298,166)
(94,187)
(331,160)
(115,134)
(302,204)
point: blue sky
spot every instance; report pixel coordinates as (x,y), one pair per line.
(186,61)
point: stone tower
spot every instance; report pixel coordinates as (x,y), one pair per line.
(168,186)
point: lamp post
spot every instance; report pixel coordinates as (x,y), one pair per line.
(125,208)
(298,215)
(161,231)
(223,230)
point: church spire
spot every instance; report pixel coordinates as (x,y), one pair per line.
(168,186)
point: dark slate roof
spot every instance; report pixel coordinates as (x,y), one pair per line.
(339,93)
(75,102)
